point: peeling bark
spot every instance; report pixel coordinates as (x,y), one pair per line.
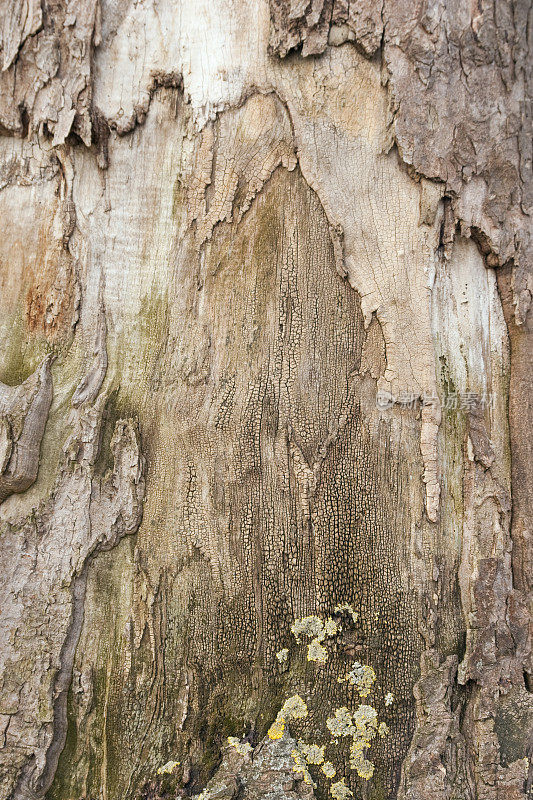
(459,85)
(24,411)
(43,594)
(45,83)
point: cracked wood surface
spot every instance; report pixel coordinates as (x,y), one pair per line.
(279,270)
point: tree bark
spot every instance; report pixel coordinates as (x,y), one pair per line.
(265,325)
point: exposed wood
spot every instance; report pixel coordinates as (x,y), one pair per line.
(265,351)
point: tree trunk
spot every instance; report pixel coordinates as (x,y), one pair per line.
(265,283)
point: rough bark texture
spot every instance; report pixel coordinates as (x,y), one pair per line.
(459,79)
(265,348)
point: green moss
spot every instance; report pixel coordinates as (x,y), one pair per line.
(118,406)
(214,732)
(21,352)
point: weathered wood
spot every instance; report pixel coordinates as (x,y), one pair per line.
(265,350)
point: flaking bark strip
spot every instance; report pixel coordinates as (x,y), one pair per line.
(83,516)
(23,415)
(435,109)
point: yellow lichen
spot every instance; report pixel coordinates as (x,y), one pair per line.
(300,767)
(366,726)
(293,708)
(316,652)
(365,718)
(362,677)
(243,748)
(339,790)
(317,630)
(361,724)
(313,753)
(276,729)
(328,769)
(311,626)
(331,628)
(167,768)
(364,767)
(341,723)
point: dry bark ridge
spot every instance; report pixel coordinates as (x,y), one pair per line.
(23,414)
(240,224)
(47,557)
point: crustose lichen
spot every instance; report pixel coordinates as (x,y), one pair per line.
(243,748)
(293,708)
(316,630)
(362,677)
(360,724)
(168,768)
(339,790)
